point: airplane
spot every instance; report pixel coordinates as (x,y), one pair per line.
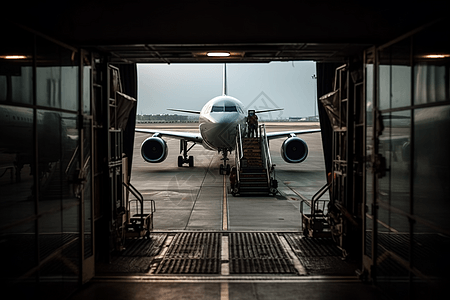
(16,137)
(218,121)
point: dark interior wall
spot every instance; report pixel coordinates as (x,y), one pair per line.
(325,80)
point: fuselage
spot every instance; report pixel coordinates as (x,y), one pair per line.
(218,121)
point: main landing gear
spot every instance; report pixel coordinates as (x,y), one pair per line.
(225,167)
(185,159)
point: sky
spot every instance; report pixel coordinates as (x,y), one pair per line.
(287,85)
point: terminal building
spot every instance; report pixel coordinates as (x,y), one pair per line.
(68,92)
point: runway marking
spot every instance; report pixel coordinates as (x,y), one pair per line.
(224,205)
(224,291)
(225,257)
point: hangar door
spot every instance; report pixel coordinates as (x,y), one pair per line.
(406,225)
(45,166)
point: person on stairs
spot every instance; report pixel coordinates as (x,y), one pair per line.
(252,121)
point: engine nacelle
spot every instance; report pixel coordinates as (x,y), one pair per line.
(154,150)
(294,150)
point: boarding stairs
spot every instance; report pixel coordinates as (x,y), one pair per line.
(255,171)
(139,224)
(315,218)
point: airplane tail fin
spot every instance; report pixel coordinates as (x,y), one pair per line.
(224,92)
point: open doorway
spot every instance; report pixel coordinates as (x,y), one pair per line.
(193,198)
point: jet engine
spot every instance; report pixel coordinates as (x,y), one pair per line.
(154,149)
(294,150)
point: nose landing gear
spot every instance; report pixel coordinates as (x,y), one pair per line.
(225,167)
(185,159)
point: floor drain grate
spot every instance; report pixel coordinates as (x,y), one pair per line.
(192,253)
(258,253)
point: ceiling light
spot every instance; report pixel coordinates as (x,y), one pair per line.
(13,56)
(436,56)
(218,54)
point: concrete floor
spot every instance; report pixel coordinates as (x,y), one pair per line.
(193,199)
(310,290)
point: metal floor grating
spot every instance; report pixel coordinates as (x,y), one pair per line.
(319,256)
(192,253)
(136,258)
(427,257)
(258,253)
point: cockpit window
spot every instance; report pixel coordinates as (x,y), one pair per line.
(230,108)
(217,108)
(221,108)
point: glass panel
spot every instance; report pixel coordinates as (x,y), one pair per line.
(16,164)
(384,82)
(56,76)
(430,82)
(393,252)
(50,233)
(432,62)
(87,143)
(368,150)
(401,86)
(432,165)
(18,250)
(50,168)
(16,72)
(87,90)
(69,85)
(216,108)
(400,160)
(48,74)
(230,108)
(395,76)
(384,148)
(71,251)
(69,80)
(401,74)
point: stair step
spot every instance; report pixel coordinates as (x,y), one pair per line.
(255,170)
(256,189)
(253,178)
(253,185)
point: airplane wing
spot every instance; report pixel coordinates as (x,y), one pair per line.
(188,136)
(185,110)
(267,110)
(277,135)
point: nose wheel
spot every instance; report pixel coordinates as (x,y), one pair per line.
(225,167)
(185,159)
(225,170)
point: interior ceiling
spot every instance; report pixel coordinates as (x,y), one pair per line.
(264,52)
(251,31)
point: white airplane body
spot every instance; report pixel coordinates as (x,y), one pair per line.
(218,123)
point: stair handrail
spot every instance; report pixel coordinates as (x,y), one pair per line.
(239,150)
(140,199)
(315,200)
(267,158)
(318,195)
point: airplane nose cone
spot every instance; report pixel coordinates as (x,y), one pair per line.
(219,135)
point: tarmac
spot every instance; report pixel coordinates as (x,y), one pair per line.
(195,202)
